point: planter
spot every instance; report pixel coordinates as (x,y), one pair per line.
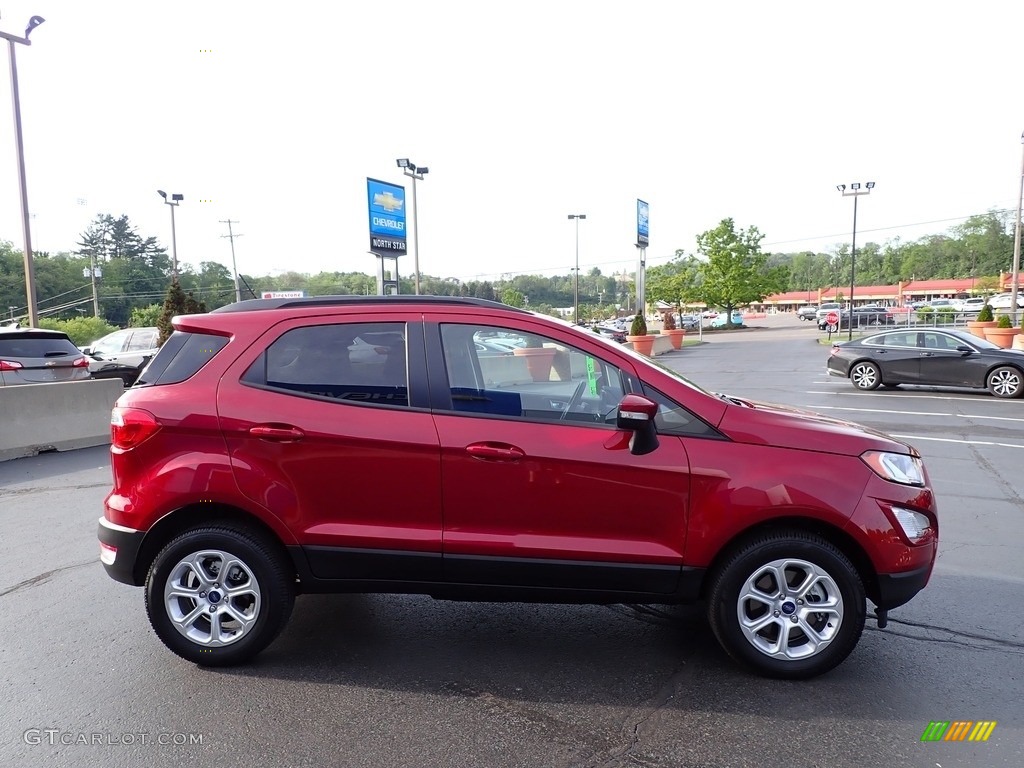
(1001,337)
(1018,341)
(642,344)
(676,335)
(977,327)
(538,361)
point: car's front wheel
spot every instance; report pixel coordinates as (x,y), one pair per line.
(865,376)
(1006,381)
(788,604)
(218,596)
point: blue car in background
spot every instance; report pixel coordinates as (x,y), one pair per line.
(719,322)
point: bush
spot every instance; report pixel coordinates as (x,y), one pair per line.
(1004,322)
(145,317)
(985,314)
(81,330)
(670,322)
(639,326)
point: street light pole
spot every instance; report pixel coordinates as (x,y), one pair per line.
(1015,272)
(173,202)
(412,171)
(30,276)
(576,287)
(855,192)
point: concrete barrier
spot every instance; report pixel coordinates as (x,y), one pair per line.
(55,417)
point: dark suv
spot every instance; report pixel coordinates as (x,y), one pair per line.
(260,457)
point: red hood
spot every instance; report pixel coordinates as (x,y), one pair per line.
(750,421)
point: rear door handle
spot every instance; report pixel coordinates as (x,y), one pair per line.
(277,434)
(495,452)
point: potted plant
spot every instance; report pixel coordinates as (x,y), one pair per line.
(984,320)
(668,328)
(1003,332)
(638,336)
(538,358)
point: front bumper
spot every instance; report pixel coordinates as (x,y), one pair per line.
(896,589)
(119,550)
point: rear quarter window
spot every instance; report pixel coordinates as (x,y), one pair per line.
(181,357)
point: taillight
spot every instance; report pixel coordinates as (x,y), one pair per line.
(9,365)
(130,427)
(82,362)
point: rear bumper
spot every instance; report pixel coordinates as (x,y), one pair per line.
(119,550)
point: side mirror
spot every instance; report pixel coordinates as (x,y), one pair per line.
(636,414)
(86,350)
(964,348)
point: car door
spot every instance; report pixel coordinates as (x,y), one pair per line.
(341,448)
(540,488)
(942,364)
(897,355)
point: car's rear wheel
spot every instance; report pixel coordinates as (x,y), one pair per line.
(788,604)
(865,376)
(218,596)
(1006,381)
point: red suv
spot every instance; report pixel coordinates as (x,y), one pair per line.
(365,444)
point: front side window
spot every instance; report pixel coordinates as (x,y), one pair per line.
(353,362)
(501,372)
(111,344)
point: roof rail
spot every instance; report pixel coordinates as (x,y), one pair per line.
(251,305)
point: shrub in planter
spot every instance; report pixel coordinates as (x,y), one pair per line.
(1004,322)
(670,322)
(985,314)
(639,326)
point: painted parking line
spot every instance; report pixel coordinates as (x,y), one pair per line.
(915,413)
(914,438)
(979,398)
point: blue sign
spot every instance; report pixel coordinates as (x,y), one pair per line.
(387,217)
(642,224)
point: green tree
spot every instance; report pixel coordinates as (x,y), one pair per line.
(513,298)
(145,317)
(82,330)
(736,272)
(677,283)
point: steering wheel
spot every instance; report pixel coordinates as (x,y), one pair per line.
(575,400)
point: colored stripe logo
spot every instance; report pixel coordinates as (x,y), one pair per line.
(958,730)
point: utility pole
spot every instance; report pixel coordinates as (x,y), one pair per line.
(234,267)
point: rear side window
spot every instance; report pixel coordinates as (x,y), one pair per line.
(181,357)
(351,362)
(37,345)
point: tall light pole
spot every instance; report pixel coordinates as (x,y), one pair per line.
(26,228)
(173,202)
(415,173)
(855,192)
(576,287)
(234,265)
(1015,272)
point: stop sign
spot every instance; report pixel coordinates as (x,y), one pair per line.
(832,318)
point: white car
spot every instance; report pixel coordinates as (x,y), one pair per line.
(1002,301)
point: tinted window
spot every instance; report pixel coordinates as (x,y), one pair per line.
(906,339)
(181,357)
(354,362)
(546,380)
(37,345)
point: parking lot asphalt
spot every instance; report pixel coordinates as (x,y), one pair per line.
(391,681)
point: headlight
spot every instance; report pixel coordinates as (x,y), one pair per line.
(896,467)
(914,524)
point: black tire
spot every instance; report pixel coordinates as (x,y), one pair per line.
(259,571)
(865,375)
(1005,382)
(837,583)
(890,386)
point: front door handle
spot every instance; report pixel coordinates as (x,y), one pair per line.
(495,452)
(281,434)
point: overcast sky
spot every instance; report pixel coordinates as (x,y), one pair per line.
(274,115)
